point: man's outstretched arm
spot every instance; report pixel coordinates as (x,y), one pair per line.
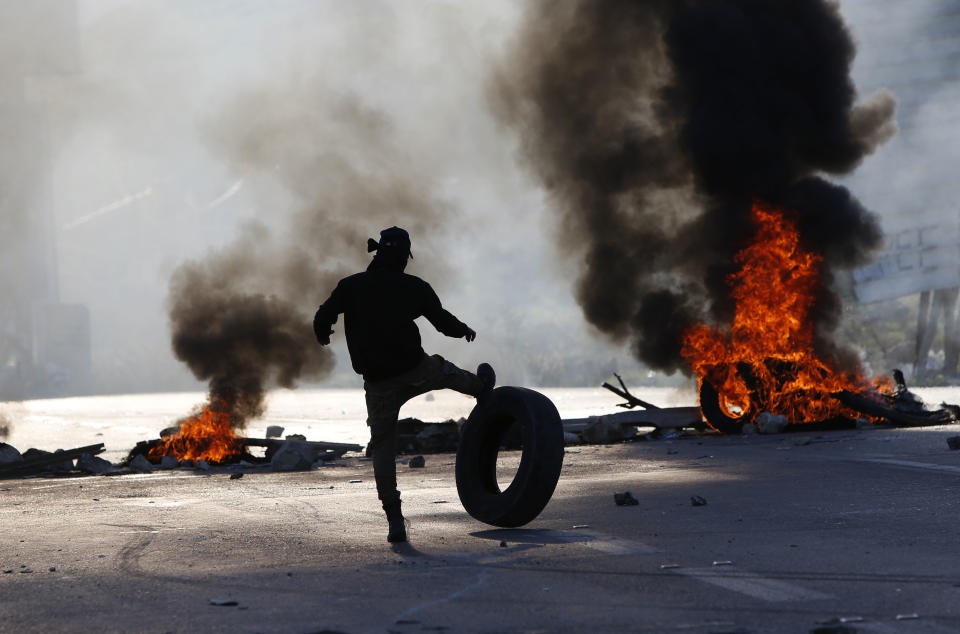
(326,316)
(443,320)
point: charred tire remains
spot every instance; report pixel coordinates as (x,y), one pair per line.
(714,413)
(540,461)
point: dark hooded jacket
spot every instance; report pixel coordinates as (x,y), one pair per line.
(379,306)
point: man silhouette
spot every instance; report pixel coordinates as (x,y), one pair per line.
(379,306)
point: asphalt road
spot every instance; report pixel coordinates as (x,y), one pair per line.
(799,530)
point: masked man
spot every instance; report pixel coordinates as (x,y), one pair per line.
(379,306)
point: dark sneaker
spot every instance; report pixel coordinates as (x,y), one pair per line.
(488,377)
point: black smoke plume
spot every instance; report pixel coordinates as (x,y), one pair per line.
(241,318)
(655,123)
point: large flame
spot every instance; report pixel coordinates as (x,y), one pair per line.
(207,435)
(765,361)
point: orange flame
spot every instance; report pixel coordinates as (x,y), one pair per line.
(766,361)
(207,435)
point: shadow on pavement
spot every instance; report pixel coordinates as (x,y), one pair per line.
(540,536)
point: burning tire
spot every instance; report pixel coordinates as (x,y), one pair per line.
(540,461)
(716,416)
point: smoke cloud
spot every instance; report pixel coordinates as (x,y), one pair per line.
(241,317)
(654,125)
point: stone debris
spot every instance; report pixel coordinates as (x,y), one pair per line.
(953,442)
(64,466)
(169,462)
(625,499)
(95,465)
(9,454)
(418,462)
(141,465)
(293,455)
(236,476)
(202,465)
(723,562)
(696,500)
(767,423)
(223,602)
(274,431)
(603,429)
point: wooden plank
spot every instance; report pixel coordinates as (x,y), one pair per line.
(54,458)
(665,417)
(316,444)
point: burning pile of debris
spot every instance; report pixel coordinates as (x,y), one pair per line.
(899,407)
(208,438)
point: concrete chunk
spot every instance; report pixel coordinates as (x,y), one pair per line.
(293,455)
(141,464)
(768,423)
(9,454)
(88,463)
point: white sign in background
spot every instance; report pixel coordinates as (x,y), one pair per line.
(924,257)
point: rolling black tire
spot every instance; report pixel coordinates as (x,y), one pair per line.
(713,412)
(540,461)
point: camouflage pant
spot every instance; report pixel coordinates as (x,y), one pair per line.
(384,400)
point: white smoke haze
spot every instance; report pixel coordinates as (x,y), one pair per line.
(173,125)
(177,128)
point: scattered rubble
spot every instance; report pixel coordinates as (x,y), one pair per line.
(169,462)
(293,455)
(953,442)
(767,423)
(606,429)
(141,464)
(625,499)
(34,461)
(696,500)
(417,462)
(274,431)
(9,454)
(89,463)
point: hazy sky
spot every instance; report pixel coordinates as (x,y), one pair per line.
(143,176)
(141,180)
